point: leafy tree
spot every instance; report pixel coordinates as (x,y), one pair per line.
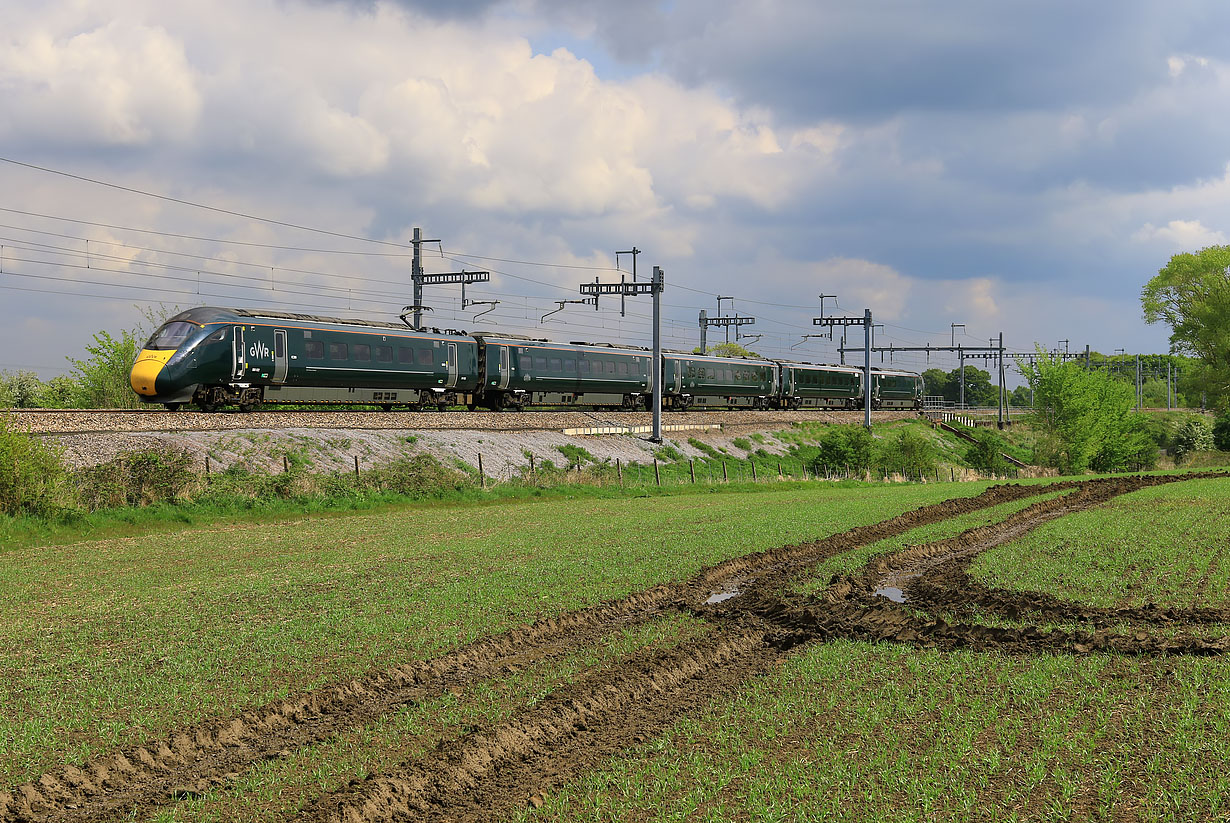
(101,380)
(1192,295)
(1221,432)
(1086,418)
(842,446)
(729,350)
(936,383)
(1193,436)
(1020,397)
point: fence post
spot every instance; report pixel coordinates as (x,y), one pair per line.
(285,465)
(692,469)
(207,465)
(780,476)
(482,478)
(619,470)
(725,476)
(531,462)
(356,467)
(657,476)
(952,474)
(753,462)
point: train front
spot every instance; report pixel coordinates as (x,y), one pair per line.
(175,359)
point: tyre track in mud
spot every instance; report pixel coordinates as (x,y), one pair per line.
(934,578)
(491,771)
(194,759)
(486,770)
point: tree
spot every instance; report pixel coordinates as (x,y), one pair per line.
(979,390)
(102,379)
(936,383)
(1086,418)
(729,350)
(1192,295)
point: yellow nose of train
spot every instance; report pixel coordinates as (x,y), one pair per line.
(145,370)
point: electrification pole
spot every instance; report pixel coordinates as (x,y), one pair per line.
(654,287)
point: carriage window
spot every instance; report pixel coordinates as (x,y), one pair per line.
(554,364)
(712,374)
(362,351)
(623,367)
(384,354)
(570,366)
(424,357)
(610,367)
(405,354)
(338,351)
(279,345)
(584,365)
(314,349)
(540,364)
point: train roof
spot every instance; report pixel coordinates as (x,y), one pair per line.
(213,314)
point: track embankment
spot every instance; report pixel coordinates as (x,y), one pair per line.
(82,421)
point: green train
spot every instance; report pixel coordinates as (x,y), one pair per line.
(215,357)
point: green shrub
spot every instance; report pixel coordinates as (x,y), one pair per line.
(742,443)
(669,454)
(987,455)
(1221,432)
(418,476)
(1193,436)
(576,455)
(704,448)
(31,475)
(138,478)
(844,446)
(910,451)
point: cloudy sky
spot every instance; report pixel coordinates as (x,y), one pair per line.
(1021,167)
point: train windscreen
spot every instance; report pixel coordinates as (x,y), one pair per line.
(171,335)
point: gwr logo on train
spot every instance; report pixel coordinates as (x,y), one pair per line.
(259,350)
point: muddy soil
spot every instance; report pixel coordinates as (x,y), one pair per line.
(491,770)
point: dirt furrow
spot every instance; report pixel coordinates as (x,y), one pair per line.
(493,770)
(200,756)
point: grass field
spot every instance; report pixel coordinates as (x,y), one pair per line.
(115,642)
(107,643)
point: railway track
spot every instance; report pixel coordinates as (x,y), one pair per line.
(116,421)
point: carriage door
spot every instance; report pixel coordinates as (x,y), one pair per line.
(239,356)
(279,356)
(505,372)
(452,366)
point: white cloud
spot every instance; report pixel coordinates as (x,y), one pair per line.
(120,83)
(1181,234)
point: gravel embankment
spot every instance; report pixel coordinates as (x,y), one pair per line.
(332,440)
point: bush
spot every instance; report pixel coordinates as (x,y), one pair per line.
(910,451)
(576,455)
(31,475)
(742,443)
(1221,432)
(21,390)
(1193,436)
(843,446)
(987,455)
(417,476)
(138,478)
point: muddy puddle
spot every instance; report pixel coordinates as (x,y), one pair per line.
(920,596)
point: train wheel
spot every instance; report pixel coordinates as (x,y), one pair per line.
(247,407)
(207,407)
(387,406)
(172,407)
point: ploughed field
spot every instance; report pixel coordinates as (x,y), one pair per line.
(1046,651)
